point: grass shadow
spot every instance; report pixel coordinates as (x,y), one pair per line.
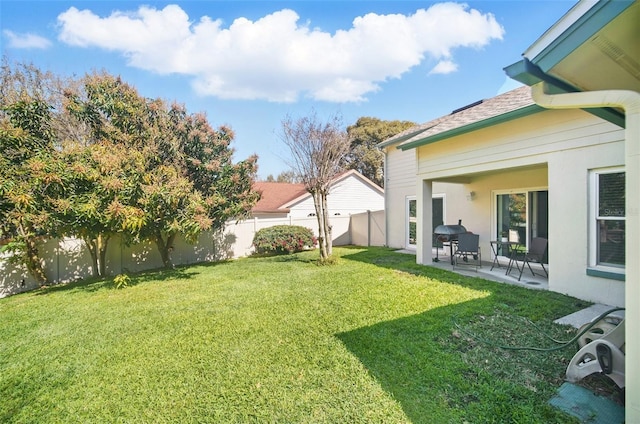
(438,374)
(539,305)
(307,256)
(99,283)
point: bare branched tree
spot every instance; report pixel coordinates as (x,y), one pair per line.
(317,151)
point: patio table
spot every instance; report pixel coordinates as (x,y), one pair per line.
(512,251)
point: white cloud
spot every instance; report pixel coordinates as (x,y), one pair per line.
(26,41)
(277,58)
(444,67)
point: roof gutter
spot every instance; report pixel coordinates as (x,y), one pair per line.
(629,101)
(529,73)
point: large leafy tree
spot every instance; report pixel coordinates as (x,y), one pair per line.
(102,182)
(28,175)
(25,147)
(317,150)
(182,180)
(103,168)
(364,137)
(225,186)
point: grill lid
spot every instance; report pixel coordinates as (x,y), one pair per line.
(449,230)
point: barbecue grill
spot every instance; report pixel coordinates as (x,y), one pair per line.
(448,234)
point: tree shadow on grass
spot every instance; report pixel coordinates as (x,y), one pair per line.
(424,363)
(307,256)
(95,284)
(539,304)
(421,362)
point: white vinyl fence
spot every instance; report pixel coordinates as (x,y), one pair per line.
(67,259)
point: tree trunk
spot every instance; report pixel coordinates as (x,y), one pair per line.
(103,242)
(327,225)
(316,204)
(92,248)
(324,227)
(165,248)
(33,263)
(98,250)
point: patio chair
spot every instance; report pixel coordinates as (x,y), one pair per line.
(535,254)
(468,251)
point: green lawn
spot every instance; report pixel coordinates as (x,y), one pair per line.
(373,338)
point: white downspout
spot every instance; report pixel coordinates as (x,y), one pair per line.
(630,102)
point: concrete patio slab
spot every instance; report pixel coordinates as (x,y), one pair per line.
(498,273)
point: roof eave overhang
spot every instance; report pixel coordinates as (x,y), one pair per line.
(505,117)
(530,74)
(580,24)
(577,27)
(395,140)
(271,211)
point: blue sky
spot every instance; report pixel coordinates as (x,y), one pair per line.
(249,64)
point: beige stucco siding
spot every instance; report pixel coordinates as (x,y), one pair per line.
(550,150)
(523,142)
(400,184)
(568,222)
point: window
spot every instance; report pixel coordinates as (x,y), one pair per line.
(512,216)
(437,204)
(437,209)
(522,215)
(412,219)
(607,241)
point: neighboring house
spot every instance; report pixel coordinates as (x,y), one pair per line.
(567,164)
(275,198)
(351,193)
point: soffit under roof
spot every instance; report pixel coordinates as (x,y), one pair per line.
(598,50)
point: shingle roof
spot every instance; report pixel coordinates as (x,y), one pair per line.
(276,195)
(476,112)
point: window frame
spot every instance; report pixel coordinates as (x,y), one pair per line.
(594,267)
(408,220)
(530,229)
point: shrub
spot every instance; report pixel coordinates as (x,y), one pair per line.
(121,281)
(283,239)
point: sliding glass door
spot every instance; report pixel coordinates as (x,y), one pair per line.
(522,215)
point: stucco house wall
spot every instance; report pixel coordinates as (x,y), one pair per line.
(550,150)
